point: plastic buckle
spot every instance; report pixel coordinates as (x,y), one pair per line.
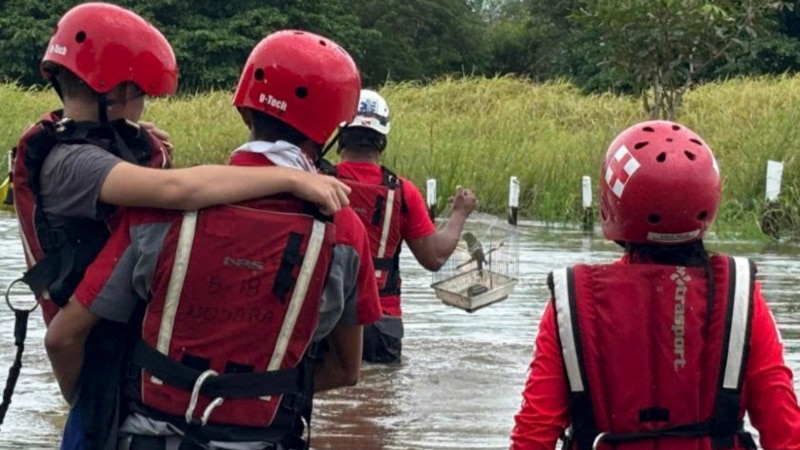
(198,384)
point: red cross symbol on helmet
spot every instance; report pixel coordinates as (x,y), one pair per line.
(620,169)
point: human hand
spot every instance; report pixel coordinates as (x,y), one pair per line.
(464,201)
(328,193)
(158,133)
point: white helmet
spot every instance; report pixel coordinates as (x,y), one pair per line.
(373,113)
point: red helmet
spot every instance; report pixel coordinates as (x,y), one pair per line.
(105,45)
(660,185)
(305,80)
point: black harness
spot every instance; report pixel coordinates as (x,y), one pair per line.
(69,249)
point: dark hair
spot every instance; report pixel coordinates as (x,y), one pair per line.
(66,83)
(361,138)
(693,254)
(269,128)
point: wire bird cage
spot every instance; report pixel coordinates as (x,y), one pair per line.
(484,269)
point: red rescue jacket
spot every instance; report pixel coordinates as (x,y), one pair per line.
(636,378)
(380,208)
(57,257)
(236,298)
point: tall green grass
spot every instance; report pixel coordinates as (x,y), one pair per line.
(478,132)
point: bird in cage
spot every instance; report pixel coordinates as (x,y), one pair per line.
(475,250)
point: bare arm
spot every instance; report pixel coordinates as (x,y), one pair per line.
(432,251)
(65,340)
(342,362)
(202,186)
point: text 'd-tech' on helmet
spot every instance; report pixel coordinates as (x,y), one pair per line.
(660,184)
(105,45)
(305,80)
(373,113)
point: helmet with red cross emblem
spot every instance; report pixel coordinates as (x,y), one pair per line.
(660,185)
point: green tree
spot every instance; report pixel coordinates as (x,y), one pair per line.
(664,44)
(25,28)
(419,39)
(211,38)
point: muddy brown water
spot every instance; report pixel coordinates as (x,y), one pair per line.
(459,384)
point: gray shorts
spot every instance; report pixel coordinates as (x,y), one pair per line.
(383,341)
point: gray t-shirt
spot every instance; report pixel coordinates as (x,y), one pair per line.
(71,180)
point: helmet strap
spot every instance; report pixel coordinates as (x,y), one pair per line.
(102,108)
(331,143)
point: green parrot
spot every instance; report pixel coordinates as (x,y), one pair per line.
(475,249)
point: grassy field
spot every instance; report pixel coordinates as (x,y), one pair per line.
(479,132)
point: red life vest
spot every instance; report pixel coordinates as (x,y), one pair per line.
(47,248)
(380,208)
(235,302)
(645,364)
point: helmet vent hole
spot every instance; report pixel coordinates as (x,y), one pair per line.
(654,219)
(648,129)
(669,139)
(322,43)
(696,141)
(661,157)
(301,92)
(640,145)
(702,216)
(676,127)
(259,74)
(80,37)
(690,155)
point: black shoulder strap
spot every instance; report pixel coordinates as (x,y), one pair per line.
(583,428)
(328,168)
(390,179)
(120,137)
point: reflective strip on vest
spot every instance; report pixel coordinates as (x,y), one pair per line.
(26,247)
(387,224)
(298,296)
(179,268)
(740,270)
(569,350)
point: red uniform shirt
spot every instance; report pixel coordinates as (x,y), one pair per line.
(767,393)
(415,222)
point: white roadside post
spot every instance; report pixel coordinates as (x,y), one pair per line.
(774,175)
(430,194)
(588,216)
(513,200)
(772,215)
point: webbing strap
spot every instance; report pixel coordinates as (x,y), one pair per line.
(20,332)
(233,386)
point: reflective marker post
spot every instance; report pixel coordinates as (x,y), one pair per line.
(513,200)
(430,194)
(774,175)
(773,216)
(588,216)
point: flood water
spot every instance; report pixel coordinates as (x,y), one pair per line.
(459,384)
